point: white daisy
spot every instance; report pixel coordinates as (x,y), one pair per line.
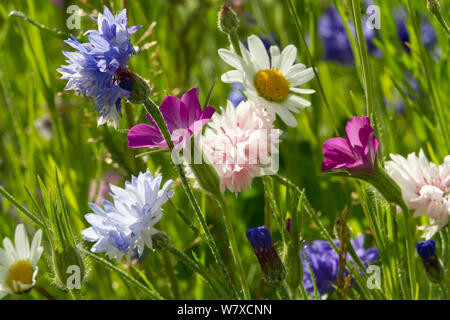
(425,187)
(271,82)
(18,263)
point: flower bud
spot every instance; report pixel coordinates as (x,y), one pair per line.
(68,264)
(228,20)
(433,6)
(271,266)
(205,174)
(160,241)
(434,269)
(139,88)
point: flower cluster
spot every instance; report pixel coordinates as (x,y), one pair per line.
(425,187)
(98,68)
(127,224)
(323,261)
(240,143)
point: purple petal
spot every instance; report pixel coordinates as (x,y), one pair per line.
(190,99)
(144,135)
(338,154)
(352,129)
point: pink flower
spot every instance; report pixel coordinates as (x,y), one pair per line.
(425,187)
(184,117)
(357,153)
(239,143)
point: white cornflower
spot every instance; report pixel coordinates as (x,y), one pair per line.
(128,223)
(271,82)
(425,187)
(240,143)
(18,262)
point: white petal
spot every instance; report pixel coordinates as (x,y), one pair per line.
(302,91)
(297,101)
(233,76)
(288,56)
(21,242)
(287,116)
(9,250)
(231,58)
(36,249)
(302,77)
(258,52)
(276,57)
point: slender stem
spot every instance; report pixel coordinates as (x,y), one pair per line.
(234,39)
(233,247)
(364,58)
(440,18)
(154,111)
(44,292)
(409,251)
(310,59)
(284,291)
(193,265)
(171,274)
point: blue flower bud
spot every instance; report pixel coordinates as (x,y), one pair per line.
(433,266)
(271,266)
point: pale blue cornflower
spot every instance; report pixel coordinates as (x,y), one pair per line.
(98,68)
(126,225)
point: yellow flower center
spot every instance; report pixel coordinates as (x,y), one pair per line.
(271,85)
(21,271)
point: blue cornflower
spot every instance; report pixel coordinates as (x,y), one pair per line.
(271,265)
(335,40)
(236,96)
(127,224)
(98,68)
(428,34)
(324,263)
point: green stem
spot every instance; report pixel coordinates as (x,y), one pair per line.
(233,247)
(364,58)
(193,265)
(155,113)
(153,294)
(234,40)
(440,18)
(284,291)
(308,54)
(171,274)
(44,292)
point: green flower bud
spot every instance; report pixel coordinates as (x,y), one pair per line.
(139,87)
(69,268)
(433,6)
(228,20)
(205,174)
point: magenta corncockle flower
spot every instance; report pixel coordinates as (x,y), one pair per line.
(184,117)
(357,153)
